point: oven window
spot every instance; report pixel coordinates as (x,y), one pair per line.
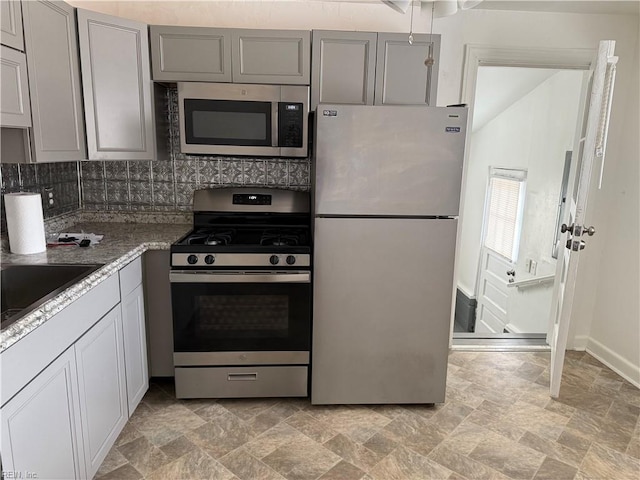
(227,122)
(228,317)
(243,316)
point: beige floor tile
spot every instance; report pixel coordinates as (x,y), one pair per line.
(404,464)
(343,471)
(221,436)
(354,453)
(498,422)
(552,469)
(243,465)
(194,465)
(510,458)
(303,459)
(604,463)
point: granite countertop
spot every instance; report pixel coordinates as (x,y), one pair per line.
(122,243)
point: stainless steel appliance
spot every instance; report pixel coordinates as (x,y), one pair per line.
(241,295)
(239,119)
(387,188)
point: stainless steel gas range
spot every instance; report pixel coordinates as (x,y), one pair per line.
(241,295)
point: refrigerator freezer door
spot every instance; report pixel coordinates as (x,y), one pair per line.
(382,306)
(389,160)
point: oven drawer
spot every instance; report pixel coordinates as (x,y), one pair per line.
(241,382)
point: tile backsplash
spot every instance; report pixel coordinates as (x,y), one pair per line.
(168,185)
(60,178)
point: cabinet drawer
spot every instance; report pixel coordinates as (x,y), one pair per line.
(130,277)
(234,382)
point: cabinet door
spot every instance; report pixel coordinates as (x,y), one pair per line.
(344,67)
(135,347)
(41,426)
(159,316)
(11,24)
(116,82)
(402,78)
(54,81)
(271,56)
(15,108)
(190,54)
(101,379)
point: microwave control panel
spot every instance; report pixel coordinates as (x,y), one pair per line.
(290,121)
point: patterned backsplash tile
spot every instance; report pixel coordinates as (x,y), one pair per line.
(59,178)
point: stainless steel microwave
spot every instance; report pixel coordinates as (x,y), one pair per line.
(242,119)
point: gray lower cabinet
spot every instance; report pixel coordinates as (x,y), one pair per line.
(11,24)
(116,81)
(54,82)
(344,67)
(194,54)
(134,333)
(402,78)
(271,56)
(15,107)
(74,382)
(158,312)
(102,388)
(41,431)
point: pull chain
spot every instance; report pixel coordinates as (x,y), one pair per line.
(429,61)
(411,26)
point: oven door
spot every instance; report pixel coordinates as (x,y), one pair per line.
(240,312)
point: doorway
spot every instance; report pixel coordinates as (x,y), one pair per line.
(523,124)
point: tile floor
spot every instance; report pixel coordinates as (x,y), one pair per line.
(498,423)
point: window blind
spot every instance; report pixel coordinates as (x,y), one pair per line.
(504,215)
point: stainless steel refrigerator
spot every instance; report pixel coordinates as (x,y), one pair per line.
(386,196)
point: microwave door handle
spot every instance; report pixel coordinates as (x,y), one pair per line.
(274,123)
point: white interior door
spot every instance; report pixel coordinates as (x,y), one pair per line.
(491,312)
(590,144)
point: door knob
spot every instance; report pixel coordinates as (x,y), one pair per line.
(589,231)
(564,228)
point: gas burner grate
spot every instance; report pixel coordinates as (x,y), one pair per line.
(221,237)
(279,238)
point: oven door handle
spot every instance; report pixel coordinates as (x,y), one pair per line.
(187,276)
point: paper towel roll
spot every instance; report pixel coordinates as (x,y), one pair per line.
(25,224)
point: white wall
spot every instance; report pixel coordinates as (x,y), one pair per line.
(495,28)
(614,336)
(532,134)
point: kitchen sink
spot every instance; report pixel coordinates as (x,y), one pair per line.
(26,287)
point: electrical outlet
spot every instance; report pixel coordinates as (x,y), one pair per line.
(527,264)
(533,268)
(49,197)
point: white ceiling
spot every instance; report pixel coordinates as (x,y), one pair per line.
(624,7)
(497,88)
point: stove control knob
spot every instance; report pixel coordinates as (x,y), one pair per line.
(209,259)
(192,259)
(291,260)
(274,260)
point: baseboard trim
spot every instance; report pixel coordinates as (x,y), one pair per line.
(580,343)
(615,362)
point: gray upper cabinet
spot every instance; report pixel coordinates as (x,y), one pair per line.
(271,56)
(192,54)
(343,69)
(402,78)
(15,108)
(54,81)
(11,24)
(116,83)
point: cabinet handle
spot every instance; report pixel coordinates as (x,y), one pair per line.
(242,377)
